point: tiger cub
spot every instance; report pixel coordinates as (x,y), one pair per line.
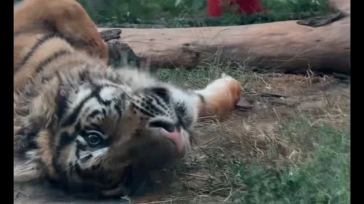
(80,124)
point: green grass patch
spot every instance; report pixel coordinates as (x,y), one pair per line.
(193,13)
(324,177)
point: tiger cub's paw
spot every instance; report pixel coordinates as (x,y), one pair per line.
(121,54)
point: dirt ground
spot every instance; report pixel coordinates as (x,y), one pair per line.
(247,134)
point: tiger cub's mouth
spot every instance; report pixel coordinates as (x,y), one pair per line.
(171,132)
(175,137)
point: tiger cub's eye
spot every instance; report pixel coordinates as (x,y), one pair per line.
(94,138)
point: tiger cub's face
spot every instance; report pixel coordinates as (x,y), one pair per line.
(103,127)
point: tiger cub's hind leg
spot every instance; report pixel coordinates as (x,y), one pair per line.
(64,17)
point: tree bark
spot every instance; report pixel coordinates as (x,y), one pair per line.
(278,46)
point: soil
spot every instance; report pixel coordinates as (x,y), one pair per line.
(246,134)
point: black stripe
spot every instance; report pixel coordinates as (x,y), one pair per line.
(62,105)
(72,118)
(149,101)
(65,139)
(161,92)
(151,109)
(157,93)
(52,57)
(92,126)
(104,112)
(118,108)
(143,111)
(163,106)
(102,101)
(166,101)
(94,113)
(40,42)
(89,156)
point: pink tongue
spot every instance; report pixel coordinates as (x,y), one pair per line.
(175,136)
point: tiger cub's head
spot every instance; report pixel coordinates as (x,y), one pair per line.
(86,129)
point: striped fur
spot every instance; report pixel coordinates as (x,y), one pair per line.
(83,125)
(43,28)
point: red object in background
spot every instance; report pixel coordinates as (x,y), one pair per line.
(216,7)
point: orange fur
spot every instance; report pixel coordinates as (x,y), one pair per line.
(221,97)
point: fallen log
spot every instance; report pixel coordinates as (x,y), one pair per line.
(279,46)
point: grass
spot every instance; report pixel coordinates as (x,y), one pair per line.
(323,178)
(193,13)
